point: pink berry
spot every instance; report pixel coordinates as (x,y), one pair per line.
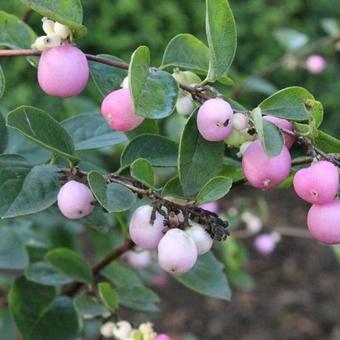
(265,244)
(163,337)
(63,71)
(201,238)
(324,222)
(316,64)
(240,121)
(177,252)
(75,200)
(214,120)
(118,110)
(142,232)
(263,172)
(138,259)
(285,124)
(317,184)
(211,206)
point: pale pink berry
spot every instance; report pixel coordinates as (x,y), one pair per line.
(317,184)
(240,121)
(163,337)
(177,252)
(201,238)
(211,206)
(138,259)
(316,64)
(285,124)
(142,232)
(75,200)
(63,71)
(324,222)
(263,172)
(214,120)
(265,244)
(118,110)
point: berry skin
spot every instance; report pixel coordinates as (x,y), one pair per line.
(210,206)
(214,120)
(201,238)
(240,121)
(106,330)
(263,172)
(316,64)
(75,200)
(265,244)
(63,71)
(62,30)
(121,330)
(324,222)
(177,252)
(317,184)
(163,337)
(53,40)
(138,259)
(117,109)
(142,232)
(285,124)
(185,105)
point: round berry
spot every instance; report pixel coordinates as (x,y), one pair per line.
(265,244)
(63,71)
(122,329)
(142,232)
(316,64)
(163,337)
(317,184)
(263,172)
(48,25)
(62,30)
(75,200)
(210,206)
(285,124)
(201,238)
(138,259)
(214,120)
(240,121)
(177,252)
(106,330)
(118,110)
(185,105)
(324,222)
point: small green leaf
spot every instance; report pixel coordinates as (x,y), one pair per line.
(327,143)
(158,150)
(173,188)
(113,197)
(154,92)
(289,103)
(215,189)
(221,35)
(70,263)
(141,169)
(14,33)
(2,83)
(199,160)
(42,129)
(88,307)
(90,131)
(207,278)
(67,12)
(108,295)
(315,112)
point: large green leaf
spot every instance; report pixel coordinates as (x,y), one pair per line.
(90,131)
(13,254)
(215,189)
(106,77)
(327,143)
(70,263)
(42,129)
(14,33)
(158,150)
(199,160)
(289,103)
(67,12)
(3,134)
(113,197)
(221,35)
(154,92)
(141,169)
(207,278)
(187,52)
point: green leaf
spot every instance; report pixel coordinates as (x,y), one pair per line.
(141,169)
(291,39)
(259,85)
(221,35)
(2,83)
(199,160)
(90,131)
(106,77)
(289,103)
(148,126)
(14,33)
(215,189)
(113,197)
(67,12)
(42,129)
(158,150)
(24,192)
(154,92)
(13,254)
(187,52)
(272,139)
(108,295)
(173,188)
(327,143)
(207,278)
(88,307)
(28,302)
(315,112)
(3,134)
(70,263)
(7,327)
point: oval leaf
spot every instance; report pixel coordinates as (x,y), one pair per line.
(327,143)
(272,139)
(141,169)
(108,295)
(215,189)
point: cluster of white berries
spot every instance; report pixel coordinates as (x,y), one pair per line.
(56,34)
